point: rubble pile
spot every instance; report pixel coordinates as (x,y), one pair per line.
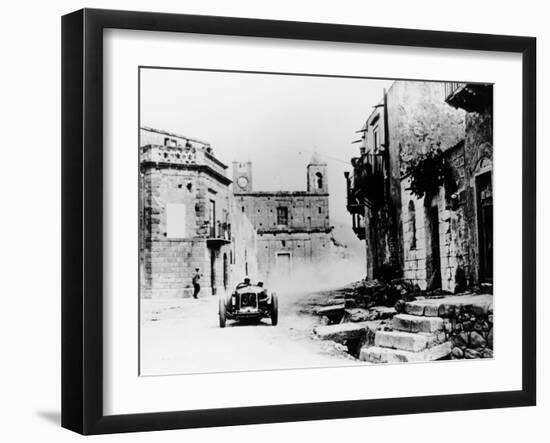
(416,327)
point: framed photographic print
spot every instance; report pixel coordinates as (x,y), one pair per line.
(269,221)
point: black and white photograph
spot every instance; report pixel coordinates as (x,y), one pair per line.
(292,221)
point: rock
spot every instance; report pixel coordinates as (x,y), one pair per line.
(487,353)
(461,340)
(490,339)
(382,312)
(457,352)
(477,340)
(481,308)
(358,315)
(377,354)
(405,340)
(334,312)
(350,303)
(399,306)
(346,331)
(446,310)
(471,353)
(412,323)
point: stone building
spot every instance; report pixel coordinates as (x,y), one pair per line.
(442,239)
(293,227)
(188,219)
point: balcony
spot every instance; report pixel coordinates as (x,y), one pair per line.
(218,235)
(471,97)
(358,225)
(366,186)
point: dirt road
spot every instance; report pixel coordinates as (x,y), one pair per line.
(183,336)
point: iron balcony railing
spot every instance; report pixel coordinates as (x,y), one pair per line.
(366,187)
(220,231)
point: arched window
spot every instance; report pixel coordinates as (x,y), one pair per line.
(412,224)
(319,180)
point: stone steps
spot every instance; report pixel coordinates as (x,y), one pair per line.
(346,331)
(445,307)
(378,354)
(413,323)
(407,341)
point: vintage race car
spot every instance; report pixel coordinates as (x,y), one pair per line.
(249,301)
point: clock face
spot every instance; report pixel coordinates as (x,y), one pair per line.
(242,182)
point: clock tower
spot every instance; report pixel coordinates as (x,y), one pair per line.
(242,177)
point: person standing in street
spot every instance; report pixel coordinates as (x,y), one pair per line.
(196,284)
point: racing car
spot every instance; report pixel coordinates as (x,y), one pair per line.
(249,301)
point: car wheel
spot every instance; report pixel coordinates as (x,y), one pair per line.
(274,309)
(221,313)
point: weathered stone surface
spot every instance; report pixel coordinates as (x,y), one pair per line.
(471,353)
(477,340)
(461,340)
(457,352)
(345,331)
(383,312)
(404,340)
(415,308)
(357,315)
(376,354)
(450,306)
(413,323)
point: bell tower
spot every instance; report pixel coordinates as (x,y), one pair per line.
(242,177)
(317,180)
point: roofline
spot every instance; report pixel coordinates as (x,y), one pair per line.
(173,134)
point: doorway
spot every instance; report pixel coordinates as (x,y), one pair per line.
(282,263)
(434,276)
(484,198)
(213,272)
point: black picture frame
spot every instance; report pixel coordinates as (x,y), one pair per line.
(82,215)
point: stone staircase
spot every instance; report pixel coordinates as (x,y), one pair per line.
(417,334)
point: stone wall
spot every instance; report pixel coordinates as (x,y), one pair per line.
(183,190)
(304,240)
(305,211)
(470,330)
(303,250)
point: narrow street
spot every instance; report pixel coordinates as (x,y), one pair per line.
(183,336)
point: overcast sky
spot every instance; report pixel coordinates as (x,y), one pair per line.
(275,121)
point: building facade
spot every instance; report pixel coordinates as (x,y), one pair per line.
(293,227)
(442,238)
(188,219)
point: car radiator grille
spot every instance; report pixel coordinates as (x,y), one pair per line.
(249,301)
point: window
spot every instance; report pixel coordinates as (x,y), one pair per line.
(320,210)
(376,138)
(319,177)
(282,215)
(212,218)
(242,208)
(412,224)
